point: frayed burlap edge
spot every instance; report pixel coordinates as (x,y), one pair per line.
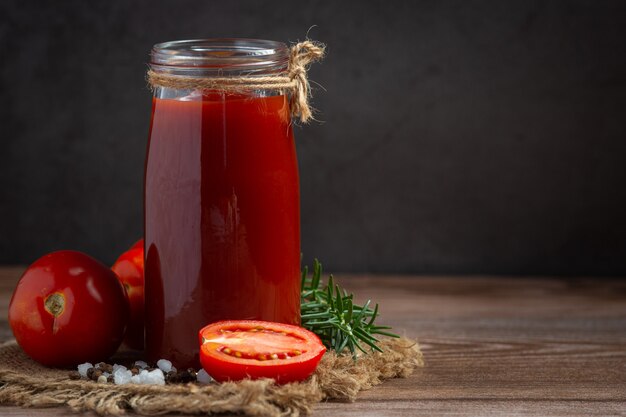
(338,377)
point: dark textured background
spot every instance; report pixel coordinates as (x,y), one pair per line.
(457,136)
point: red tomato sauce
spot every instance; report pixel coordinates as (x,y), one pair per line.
(222,219)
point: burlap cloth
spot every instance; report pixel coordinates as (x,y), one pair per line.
(25,383)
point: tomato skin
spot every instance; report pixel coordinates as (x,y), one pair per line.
(224,367)
(93,319)
(138,244)
(129,269)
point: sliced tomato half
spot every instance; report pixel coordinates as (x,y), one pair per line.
(238,349)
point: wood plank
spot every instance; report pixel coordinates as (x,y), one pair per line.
(468,407)
(493,346)
(417,408)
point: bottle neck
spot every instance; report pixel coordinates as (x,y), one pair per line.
(168,93)
(237,66)
(205,58)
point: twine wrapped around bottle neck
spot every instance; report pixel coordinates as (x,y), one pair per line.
(294,81)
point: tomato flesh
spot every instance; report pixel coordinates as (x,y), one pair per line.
(239,349)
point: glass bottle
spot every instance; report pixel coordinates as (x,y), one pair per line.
(221,198)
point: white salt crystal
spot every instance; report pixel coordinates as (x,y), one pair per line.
(155,377)
(122,376)
(105,374)
(164,365)
(116,367)
(83,367)
(140,377)
(141,364)
(172,370)
(203,377)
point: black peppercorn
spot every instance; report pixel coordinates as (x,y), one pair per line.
(188,375)
(172,377)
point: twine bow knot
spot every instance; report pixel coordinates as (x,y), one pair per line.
(302,55)
(296,82)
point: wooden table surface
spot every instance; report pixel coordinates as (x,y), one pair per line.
(492,346)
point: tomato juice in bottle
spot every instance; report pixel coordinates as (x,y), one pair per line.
(221,199)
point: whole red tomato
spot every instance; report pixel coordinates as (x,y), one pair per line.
(68,309)
(129,269)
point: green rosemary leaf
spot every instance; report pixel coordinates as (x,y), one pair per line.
(371,343)
(323,326)
(305,272)
(348,316)
(315,305)
(386,334)
(380,327)
(338,299)
(364,335)
(361,311)
(313,316)
(374,314)
(344,343)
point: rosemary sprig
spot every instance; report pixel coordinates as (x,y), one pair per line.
(329,311)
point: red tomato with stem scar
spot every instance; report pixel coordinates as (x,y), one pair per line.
(129,269)
(68,309)
(237,349)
